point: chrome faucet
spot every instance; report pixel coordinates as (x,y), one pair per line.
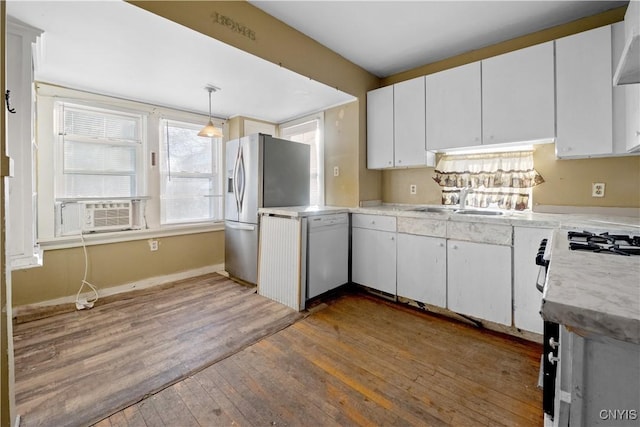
(462,198)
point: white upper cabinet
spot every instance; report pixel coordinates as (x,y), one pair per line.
(628,62)
(454,108)
(584,94)
(518,95)
(380,128)
(396,125)
(409,123)
(626,100)
(632,99)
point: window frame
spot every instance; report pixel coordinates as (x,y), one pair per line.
(215,176)
(139,180)
(319,117)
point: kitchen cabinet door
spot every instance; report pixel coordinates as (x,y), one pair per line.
(526,297)
(479,280)
(454,107)
(409,123)
(632,94)
(373,257)
(23,250)
(422,269)
(584,94)
(518,102)
(380,128)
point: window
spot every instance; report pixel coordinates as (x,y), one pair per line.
(502,180)
(190,176)
(99,154)
(308,131)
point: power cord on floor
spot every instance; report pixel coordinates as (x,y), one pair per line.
(81,302)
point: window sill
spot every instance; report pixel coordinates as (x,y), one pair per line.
(91,239)
(27,261)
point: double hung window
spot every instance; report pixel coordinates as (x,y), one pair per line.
(99,154)
(190,174)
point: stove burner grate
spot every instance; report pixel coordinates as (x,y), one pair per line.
(620,244)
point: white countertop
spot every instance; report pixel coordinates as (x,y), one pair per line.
(302,211)
(589,222)
(593,293)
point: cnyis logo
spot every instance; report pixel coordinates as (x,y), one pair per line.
(618,414)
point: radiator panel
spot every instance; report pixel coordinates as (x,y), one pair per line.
(280,266)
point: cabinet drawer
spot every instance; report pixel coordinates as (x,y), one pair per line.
(422,227)
(374,222)
(496,234)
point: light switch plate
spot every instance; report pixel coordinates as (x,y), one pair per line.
(597,189)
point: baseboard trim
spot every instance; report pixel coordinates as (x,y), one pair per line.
(67,303)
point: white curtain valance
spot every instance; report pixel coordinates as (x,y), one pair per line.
(503,170)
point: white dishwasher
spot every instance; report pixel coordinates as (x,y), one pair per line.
(327,253)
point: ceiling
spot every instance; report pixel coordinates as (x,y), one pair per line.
(114,48)
(388,37)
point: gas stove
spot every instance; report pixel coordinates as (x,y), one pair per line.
(620,244)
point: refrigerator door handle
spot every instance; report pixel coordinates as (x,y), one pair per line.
(240,226)
(241,184)
(235,181)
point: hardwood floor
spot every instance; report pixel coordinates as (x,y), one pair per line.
(76,368)
(359,361)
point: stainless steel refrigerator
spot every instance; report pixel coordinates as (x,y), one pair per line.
(262,171)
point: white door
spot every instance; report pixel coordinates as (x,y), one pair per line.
(518,95)
(409,123)
(526,298)
(373,259)
(328,258)
(454,107)
(422,269)
(380,128)
(584,94)
(479,280)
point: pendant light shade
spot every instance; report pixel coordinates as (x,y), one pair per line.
(210,131)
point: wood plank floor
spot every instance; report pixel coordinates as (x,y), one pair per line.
(76,368)
(359,361)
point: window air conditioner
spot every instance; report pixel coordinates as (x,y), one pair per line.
(76,217)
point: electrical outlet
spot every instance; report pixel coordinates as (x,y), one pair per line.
(336,171)
(413,189)
(597,189)
(153,245)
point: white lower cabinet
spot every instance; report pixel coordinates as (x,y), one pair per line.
(479,280)
(373,252)
(526,298)
(422,269)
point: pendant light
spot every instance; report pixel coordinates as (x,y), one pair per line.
(210,131)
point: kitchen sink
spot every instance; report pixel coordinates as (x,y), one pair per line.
(431,209)
(477,212)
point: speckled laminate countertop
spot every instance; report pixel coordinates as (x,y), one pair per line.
(302,211)
(524,219)
(593,293)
